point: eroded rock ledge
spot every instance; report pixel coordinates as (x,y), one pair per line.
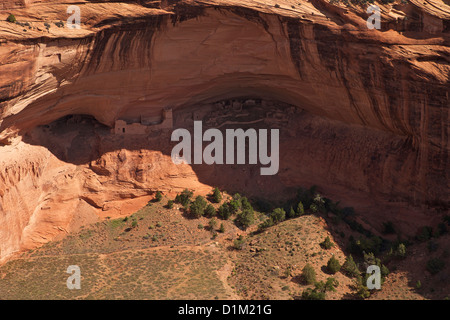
(133,58)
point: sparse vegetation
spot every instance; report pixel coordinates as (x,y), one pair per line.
(11,18)
(245,218)
(238,243)
(158,196)
(184,198)
(327,244)
(210,211)
(216,196)
(333,265)
(350,268)
(197,208)
(308,274)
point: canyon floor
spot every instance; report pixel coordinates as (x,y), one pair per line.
(161,253)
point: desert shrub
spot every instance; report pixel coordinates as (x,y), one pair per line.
(224,211)
(319,202)
(245,218)
(134,224)
(314,208)
(216,195)
(320,289)
(234,206)
(291,213)
(435,265)
(300,209)
(238,243)
(210,211)
(158,196)
(184,198)
(222,228)
(212,223)
(169,204)
(327,244)
(333,265)
(198,206)
(266,224)
(313,294)
(401,250)
(361,245)
(418,284)
(308,274)
(278,215)
(349,267)
(11,18)
(331,284)
(245,204)
(361,290)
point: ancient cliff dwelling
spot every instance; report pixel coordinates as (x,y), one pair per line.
(146,124)
(97,97)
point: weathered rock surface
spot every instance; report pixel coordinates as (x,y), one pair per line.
(133,58)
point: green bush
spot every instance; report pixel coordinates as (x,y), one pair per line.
(308,274)
(350,268)
(292,214)
(313,294)
(245,218)
(184,198)
(224,211)
(222,228)
(401,251)
(216,196)
(238,243)
(198,206)
(158,196)
(278,215)
(300,209)
(266,224)
(418,284)
(245,204)
(210,211)
(169,204)
(333,265)
(327,244)
(212,223)
(11,18)
(234,206)
(361,290)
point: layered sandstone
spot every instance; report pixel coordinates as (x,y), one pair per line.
(380,99)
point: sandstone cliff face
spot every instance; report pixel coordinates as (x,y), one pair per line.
(134,58)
